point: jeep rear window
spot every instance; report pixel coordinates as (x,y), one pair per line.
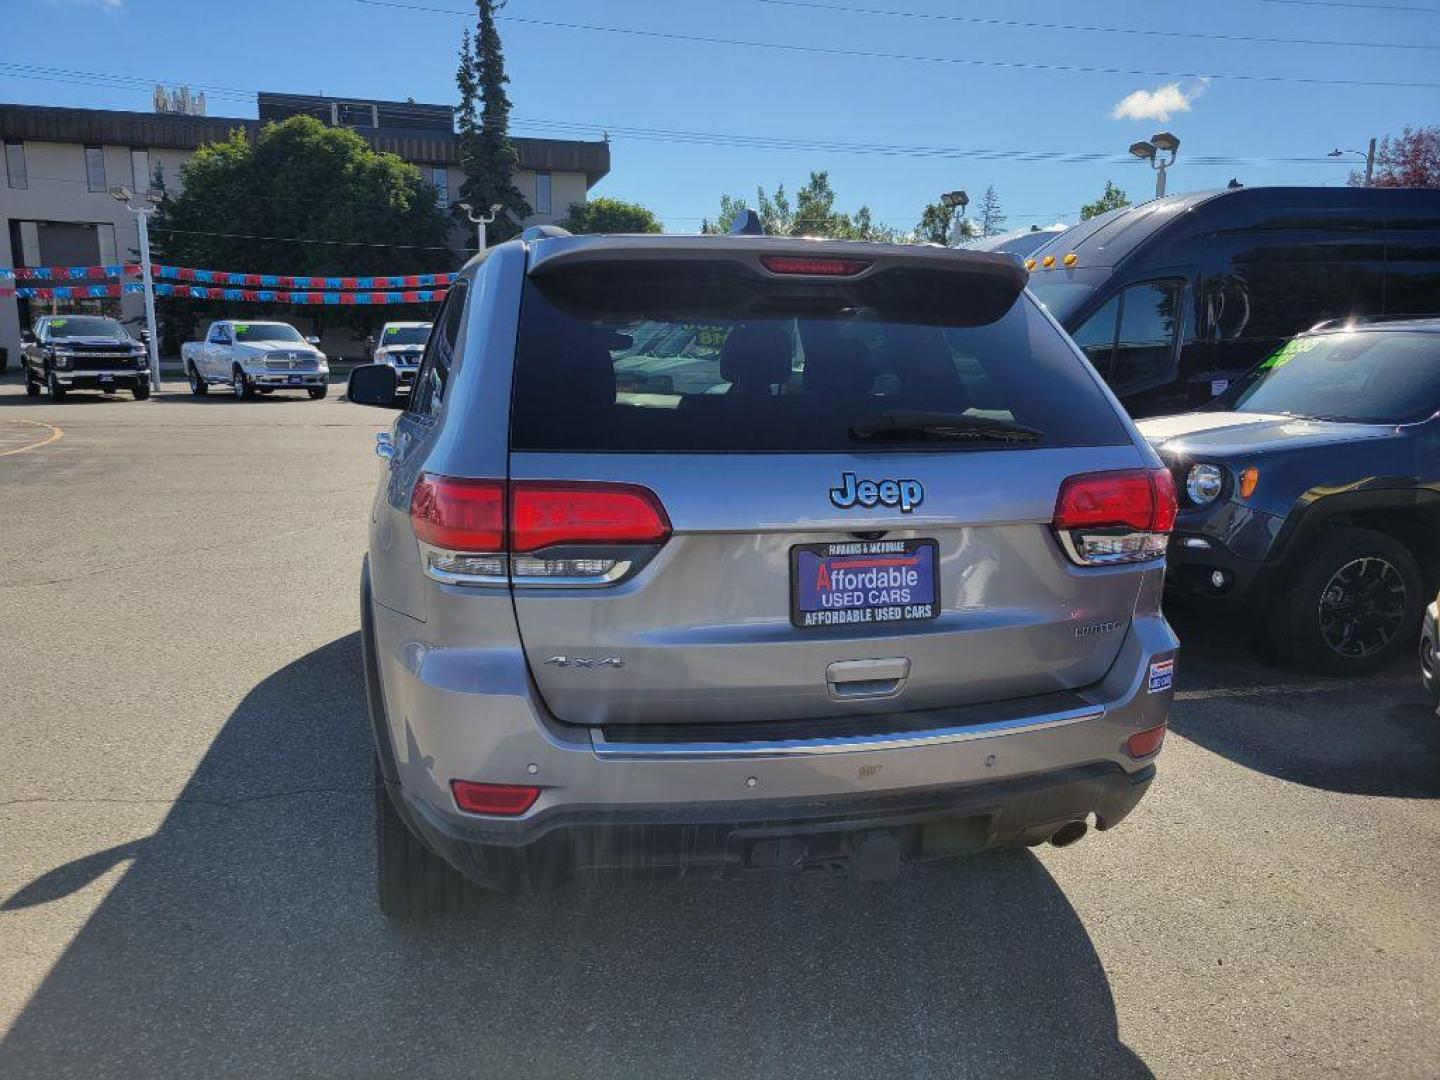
(694,358)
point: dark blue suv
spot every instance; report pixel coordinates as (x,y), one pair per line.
(1310,492)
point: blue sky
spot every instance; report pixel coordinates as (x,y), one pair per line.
(597,80)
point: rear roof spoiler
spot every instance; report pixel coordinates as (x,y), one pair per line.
(934,284)
(557,255)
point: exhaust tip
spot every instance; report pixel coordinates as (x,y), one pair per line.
(1068,833)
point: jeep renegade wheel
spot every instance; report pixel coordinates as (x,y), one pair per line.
(1352,604)
(410,879)
(198,386)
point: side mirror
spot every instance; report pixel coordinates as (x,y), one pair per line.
(372,384)
(145,337)
(27,337)
(312,340)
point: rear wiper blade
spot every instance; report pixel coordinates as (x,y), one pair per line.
(903,425)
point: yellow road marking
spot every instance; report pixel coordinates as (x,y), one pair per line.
(55,433)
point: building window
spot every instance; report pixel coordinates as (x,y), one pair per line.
(15,165)
(105,238)
(95,168)
(542,193)
(140,170)
(440,177)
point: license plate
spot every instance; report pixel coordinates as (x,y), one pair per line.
(857,582)
(295,380)
(107,378)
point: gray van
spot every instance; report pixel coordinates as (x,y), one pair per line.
(715,554)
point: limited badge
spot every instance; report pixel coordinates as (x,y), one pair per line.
(1162,675)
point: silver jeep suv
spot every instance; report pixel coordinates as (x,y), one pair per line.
(730,553)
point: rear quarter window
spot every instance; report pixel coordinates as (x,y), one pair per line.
(705,362)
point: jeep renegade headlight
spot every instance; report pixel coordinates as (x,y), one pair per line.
(1203,483)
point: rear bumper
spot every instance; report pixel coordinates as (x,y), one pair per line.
(997,775)
(869,834)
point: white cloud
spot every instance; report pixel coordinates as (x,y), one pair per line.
(1160,103)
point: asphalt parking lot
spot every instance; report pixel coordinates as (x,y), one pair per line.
(185,822)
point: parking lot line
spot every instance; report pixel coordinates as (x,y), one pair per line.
(55,433)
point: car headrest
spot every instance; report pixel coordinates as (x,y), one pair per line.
(755,357)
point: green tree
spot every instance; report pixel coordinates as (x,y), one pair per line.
(934,225)
(487,156)
(811,213)
(992,217)
(1410,159)
(301,198)
(610,216)
(1111,199)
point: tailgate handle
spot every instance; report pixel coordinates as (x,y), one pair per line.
(867,678)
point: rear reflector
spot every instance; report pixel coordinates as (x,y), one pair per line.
(501,800)
(798,264)
(1121,516)
(459,515)
(545,513)
(1144,743)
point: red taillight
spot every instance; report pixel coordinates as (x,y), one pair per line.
(503,800)
(459,515)
(469,515)
(1144,743)
(544,513)
(1165,501)
(1109,499)
(809,264)
(1120,516)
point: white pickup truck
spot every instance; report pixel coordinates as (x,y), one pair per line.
(255,357)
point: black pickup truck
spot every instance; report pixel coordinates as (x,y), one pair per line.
(1310,492)
(82,352)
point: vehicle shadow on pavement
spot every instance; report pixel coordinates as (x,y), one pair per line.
(1376,735)
(244,938)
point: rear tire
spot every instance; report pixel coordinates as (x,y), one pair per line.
(318,392)
(31,386)
(198,386)
(1351,607)
(411,881)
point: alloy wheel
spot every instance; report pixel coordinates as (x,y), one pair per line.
(1362,607)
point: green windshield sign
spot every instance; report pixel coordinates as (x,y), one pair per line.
(1287,352)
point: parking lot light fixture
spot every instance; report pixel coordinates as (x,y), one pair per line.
(1150,150)
(480,221)
(956,200)
(146,206)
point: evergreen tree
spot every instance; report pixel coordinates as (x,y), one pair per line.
(487,155)
(992,217)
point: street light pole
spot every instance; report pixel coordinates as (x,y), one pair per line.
(1368,155)
(480,221)
(142,220)
(956,200)
(1160,143)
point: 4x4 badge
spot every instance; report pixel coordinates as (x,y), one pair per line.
(906,494)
